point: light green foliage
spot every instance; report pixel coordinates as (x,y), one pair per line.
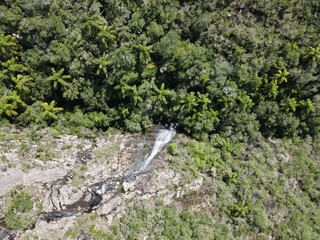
(20,214)
(12,66)
(102,63)
(50,110)
(172,149)
(44,153)
(155,30)
(10,104)
(57,77)
(8,45)
(7,109)
(161,93)
(240,210)
(313,54)
(105,154)
(4,159)
(74,123)
(87,225)
(165,223)
(281,75)
(264,188)
(202,156)
(23,83)
(106,35)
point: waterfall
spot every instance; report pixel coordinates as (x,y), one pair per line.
(163,137)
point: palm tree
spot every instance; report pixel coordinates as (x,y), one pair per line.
(7,108)
(144,52)
(203,100)
(58,78)
(309,105)
(23,82)
(123,87)
(189,102)
(92,23)
(240,210)
(9,104)
(313,54)
(273,86)
(7,44)
(50,111)
(106,35)
(102,63)
(281,75)
(135,95)
(161,93)
(124,111)
(15,99)
(292,104)
(227,101)
(246,102)
(12,67)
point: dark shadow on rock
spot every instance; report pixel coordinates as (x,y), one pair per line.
(6,234)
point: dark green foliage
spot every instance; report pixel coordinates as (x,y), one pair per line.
(221,66)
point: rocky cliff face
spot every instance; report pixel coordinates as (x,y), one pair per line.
(63,174)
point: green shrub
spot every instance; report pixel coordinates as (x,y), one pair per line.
(20,214)
(172,149)
(87,224)
(165,223)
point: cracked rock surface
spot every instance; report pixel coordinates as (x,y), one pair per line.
(69,184)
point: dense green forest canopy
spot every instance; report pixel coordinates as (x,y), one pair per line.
(238,68)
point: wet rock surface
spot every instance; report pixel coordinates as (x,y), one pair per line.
(86,176)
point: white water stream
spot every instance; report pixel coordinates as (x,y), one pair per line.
(163,137)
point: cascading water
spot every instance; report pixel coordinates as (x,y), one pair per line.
(164,136)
